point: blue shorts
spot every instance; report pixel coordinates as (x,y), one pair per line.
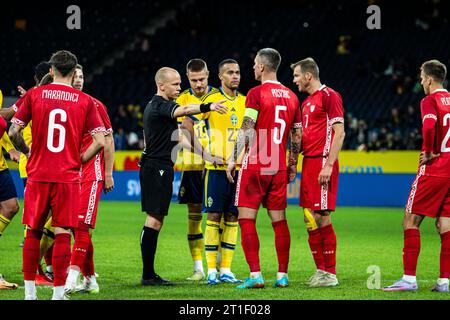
(191,187)
(219,193)
(7,187)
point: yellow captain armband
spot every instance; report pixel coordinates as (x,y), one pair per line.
(251,113)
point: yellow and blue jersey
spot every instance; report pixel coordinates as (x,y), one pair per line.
(189,160)
(23,159)
(223,128)
(5,143)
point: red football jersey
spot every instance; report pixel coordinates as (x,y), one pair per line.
(278,112)
(3,126)
(320,111)
(94,170)
(437,106)
(60,114)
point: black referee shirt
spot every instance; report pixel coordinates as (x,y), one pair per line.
(159,126)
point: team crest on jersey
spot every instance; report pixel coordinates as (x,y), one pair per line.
(210,201)
(308,104)
(312,108)
(234,120)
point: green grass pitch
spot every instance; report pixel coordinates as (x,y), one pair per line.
(366,237)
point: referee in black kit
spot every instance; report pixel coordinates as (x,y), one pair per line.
(156,164)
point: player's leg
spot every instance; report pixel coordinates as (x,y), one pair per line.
(315,244)
(219,253)
(212,242)
(443,225)
(190,193)
(65,202)
(36,206)
(156,194)
(87,214)
(276,202)
(250,245)
(425,199)
(9,205)
(228,242)
(282,245)
(46,251)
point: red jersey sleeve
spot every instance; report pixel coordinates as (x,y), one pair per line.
(23,114)
(2,126)
(334,108)
(105,118)
(94,124)
(18,103)
(253,99)
(429,118)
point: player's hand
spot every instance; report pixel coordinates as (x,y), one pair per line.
(292,173)
(109,184)
(213,159)
(21,90)
(325,175)
(219,107)
(14,155)
(230,171)
(427,156)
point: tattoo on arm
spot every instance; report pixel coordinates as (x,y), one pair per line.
(296,146)
(245,136)
(17,138)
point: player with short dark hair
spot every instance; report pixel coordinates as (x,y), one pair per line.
(272,113)
(322,138)
(96,175)
(191,185)
(156,164)
(219,193)
(60,116)
(430,190)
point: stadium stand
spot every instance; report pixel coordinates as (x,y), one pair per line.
(375,70)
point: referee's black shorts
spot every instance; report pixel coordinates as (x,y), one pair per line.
(156,187)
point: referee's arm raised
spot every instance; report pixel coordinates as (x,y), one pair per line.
(192,109)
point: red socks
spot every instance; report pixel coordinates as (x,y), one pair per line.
(61,258)
(445,255)
(31,254)
(329,248)
(88,266)
(282,244)
(315,244)
(411,250)
(48,256)
(80,246)
(250,243)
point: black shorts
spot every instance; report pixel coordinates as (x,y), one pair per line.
(7,186)
(156,187)
(191,187)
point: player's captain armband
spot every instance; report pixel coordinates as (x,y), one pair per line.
(429,116)
(251,113)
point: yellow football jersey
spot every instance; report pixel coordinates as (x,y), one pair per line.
(223,128)
(5,143)
(191,161)
(23,160)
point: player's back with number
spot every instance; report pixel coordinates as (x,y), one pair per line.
(437,106)
(278,110)
(60,115)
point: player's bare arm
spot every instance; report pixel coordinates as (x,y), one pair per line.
(7,113)
(189,140)
(192,109)
(294,152)
(94,148)
(15,134)
(109,163)
(244,137)
(336,146)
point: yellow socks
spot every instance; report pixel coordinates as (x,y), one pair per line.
(212,241)
(3,224)
(228,244)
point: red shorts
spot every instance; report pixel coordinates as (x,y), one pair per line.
(89,198)
(313,195)
(62,198)
(252,189)
(429,196)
